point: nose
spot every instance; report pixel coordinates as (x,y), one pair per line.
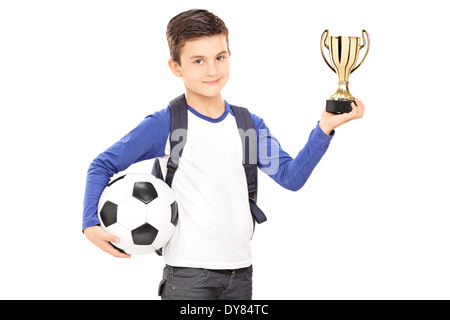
(212,69)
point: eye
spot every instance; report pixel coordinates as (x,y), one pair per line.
(199,61)
(220,58)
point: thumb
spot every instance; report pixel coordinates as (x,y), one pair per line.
(110,237)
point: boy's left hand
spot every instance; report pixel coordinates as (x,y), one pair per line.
(329,121)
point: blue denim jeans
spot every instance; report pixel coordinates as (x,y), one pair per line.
(205,284)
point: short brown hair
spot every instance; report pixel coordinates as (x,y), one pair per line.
(192,24)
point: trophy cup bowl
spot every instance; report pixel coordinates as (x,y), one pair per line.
(344,52)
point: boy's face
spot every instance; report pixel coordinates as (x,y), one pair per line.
(205,66)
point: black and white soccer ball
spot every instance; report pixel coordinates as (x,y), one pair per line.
(139,209)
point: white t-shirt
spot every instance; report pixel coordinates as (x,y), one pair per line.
(215,225)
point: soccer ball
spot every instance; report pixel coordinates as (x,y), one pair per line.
(139,209)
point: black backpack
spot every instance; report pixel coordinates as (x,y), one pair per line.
(179,118)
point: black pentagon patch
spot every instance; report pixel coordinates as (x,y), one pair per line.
(109,213)
(174,215)
(144,235)
(145,192)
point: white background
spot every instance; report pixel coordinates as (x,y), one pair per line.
(371,223)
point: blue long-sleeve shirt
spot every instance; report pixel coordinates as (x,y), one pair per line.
(148,140)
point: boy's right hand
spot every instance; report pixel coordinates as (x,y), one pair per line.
(98,236)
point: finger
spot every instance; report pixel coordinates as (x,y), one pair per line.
(114,252)
(107,247)
(113,238)
(106,236)
(361,106)
(357,109)
(350,115)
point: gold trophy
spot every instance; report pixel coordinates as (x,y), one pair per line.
(344,53)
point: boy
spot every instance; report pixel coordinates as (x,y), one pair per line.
(209,256)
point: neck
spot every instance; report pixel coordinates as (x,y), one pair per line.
(212,107)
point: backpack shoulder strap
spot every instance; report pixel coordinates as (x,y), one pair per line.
(178,134)
(177,139)
(178,131)
(248,135)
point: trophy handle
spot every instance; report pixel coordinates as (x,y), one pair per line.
(364,35)
(323,42)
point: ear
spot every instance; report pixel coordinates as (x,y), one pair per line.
(175,68)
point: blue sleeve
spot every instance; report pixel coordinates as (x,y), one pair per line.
(146,141)
(290,173)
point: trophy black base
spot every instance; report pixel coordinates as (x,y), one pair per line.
(339,106)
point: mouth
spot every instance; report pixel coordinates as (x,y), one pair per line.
(212,82)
